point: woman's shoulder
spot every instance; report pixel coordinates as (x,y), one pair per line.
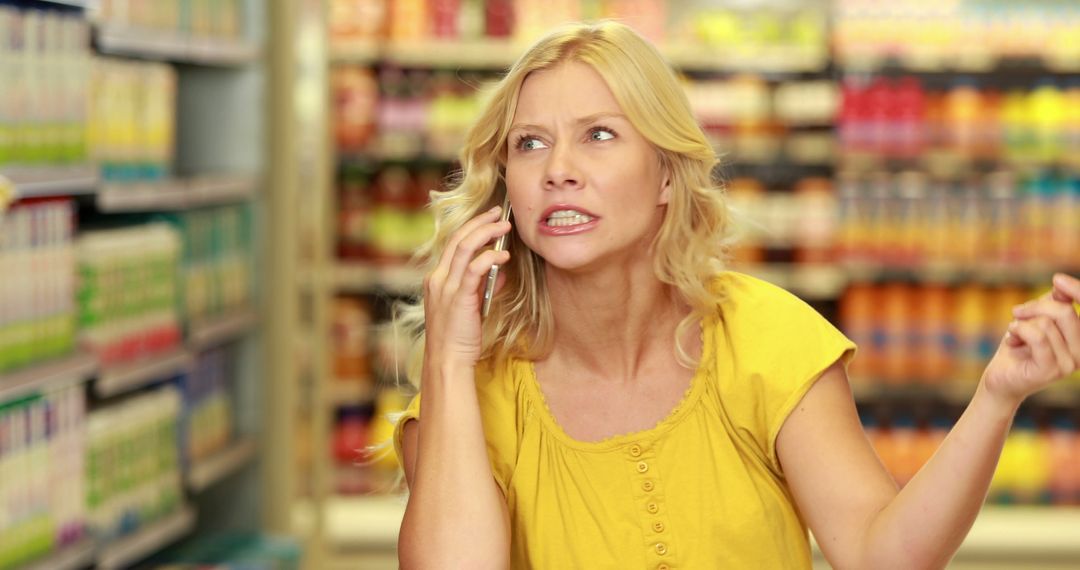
(751,297)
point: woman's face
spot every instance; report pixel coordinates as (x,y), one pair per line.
(586,187)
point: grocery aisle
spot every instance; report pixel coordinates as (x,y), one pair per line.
(130,177)
(910,170)
(207,209)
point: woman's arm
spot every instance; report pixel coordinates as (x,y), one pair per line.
(456,516)
(858,517)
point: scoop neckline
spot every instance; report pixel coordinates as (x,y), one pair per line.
(685,404)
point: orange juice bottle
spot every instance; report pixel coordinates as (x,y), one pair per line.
(936,357)
(969,316)
(1063,446)
(858,319)
(898,327)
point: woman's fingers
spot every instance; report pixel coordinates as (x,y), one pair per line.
(434,282)
(477,270)
(1063,316)
(469,246)
(1066,288)
(1035,340)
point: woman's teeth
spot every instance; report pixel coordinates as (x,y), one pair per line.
(564,218)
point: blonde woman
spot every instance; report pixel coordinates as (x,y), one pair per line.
(628,403)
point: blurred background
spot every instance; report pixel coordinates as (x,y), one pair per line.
(206,209)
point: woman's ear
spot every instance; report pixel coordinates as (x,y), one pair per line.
(665,190)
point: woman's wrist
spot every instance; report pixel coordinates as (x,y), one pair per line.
(1001,406)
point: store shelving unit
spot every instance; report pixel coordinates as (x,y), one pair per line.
(78,555)
(128,550)
(218,161)
(118,379)
(204,473)
(219,330)
(176,194)
(154,44)
(41,182)
(38,377)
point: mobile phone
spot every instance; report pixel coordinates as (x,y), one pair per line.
(493,273)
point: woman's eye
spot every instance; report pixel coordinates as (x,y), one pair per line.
(530,143)
(601,134)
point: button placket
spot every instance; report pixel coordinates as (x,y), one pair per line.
(647,488)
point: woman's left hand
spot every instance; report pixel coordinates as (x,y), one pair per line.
(1041,346)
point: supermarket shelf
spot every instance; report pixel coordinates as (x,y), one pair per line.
(175,194)
(1019,274)
(126,551)
(812,282)
(214,331)
(765,59)
(73,557)
(500,54)
(121,378)
(171,46)
(949,63)
(958,391)
(355,522)
(45,181)
(75,368)
(948,163)
(69,3)
(367,278)
(346,391)
(1012,533)
(209,471)
(360,53)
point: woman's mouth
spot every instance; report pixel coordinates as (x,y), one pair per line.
(567,218)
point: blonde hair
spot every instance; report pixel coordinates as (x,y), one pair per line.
(691,243)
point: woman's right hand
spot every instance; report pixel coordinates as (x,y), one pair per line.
(452,291)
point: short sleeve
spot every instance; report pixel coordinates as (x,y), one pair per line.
(780,346)
(411,412)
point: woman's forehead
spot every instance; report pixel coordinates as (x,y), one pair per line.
(571,91)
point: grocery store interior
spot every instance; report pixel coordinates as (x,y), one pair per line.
(207,209)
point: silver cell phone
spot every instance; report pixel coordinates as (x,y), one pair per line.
(493,273)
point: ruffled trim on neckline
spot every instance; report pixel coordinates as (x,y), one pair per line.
(690,396)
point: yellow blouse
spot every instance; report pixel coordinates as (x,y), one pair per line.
(701,489)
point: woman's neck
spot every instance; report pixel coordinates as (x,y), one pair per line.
(611,324)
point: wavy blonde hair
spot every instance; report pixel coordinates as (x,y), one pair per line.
(691,244)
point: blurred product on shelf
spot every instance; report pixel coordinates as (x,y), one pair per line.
(37,291)
(231,551)
(796,25)
(382,215)
(900,118)
(42,455)
(208,418)
(217,274)
(926,334)
(355,95)
(802,221)
(1001,221)
(128,291)
(352,323)
(922,32)
(43,66)
(1040,463)
(197,18)
(361,447)
(133,119)
(133,463)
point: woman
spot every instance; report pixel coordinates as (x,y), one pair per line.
(628,403)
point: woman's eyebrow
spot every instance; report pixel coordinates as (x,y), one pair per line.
(579,121)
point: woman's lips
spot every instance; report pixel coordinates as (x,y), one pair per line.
(567,230)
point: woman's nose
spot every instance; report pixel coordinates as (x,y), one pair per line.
(561,171)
